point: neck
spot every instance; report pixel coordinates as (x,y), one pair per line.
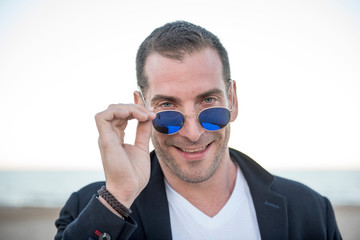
(211,195)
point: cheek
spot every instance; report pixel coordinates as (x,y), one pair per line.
(153,137)
(224,135)
(157,138)
(227,133)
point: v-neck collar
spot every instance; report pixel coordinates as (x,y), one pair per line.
(236,198)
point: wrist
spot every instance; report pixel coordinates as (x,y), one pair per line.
(126,197)
(112,203)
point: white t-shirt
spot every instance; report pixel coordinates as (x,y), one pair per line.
(236,220)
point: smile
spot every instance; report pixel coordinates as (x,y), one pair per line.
(194,150)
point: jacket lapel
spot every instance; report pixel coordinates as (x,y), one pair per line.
(270,207)
(153,206)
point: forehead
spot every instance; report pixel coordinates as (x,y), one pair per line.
(196,73)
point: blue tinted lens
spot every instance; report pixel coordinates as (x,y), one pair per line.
(168,122)
(213,119)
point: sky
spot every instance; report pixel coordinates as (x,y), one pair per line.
(296,64)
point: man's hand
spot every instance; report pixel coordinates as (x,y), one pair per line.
(127,167)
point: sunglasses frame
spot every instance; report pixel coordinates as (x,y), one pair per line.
(196,115)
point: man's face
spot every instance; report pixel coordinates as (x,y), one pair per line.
(192,154)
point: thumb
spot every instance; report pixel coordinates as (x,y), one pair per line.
(143,133)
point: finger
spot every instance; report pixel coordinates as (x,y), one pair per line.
(106,120)
(131,111)
(118,115)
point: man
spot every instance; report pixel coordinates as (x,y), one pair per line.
(192,186)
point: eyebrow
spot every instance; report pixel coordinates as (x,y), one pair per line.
(214,91)
(160,97)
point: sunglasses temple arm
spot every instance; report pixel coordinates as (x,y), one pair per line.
(232,93)
(141,95)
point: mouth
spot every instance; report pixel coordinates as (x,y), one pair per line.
(192,154)
(194,150)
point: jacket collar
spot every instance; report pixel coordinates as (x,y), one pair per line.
(153,206)
(270,207)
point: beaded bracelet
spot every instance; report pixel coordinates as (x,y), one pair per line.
(111,200)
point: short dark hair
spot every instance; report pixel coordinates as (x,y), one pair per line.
(174,40)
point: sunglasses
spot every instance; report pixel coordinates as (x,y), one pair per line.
(211,119)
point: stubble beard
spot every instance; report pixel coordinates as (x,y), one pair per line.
(198,173)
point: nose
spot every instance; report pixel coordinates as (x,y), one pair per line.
(192,129)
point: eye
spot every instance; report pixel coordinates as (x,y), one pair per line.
(209,100)
(166,105)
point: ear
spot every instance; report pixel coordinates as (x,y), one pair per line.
(138,98)
(233,101)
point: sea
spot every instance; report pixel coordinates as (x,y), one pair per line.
(53,188)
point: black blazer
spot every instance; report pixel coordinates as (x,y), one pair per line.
(284,209)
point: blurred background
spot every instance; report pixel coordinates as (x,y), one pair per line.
(297,67)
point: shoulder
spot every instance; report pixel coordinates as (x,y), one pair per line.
(300,198)
(291,188)
(298,194)
(259,178)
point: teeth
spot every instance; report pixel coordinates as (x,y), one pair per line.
(193,150)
